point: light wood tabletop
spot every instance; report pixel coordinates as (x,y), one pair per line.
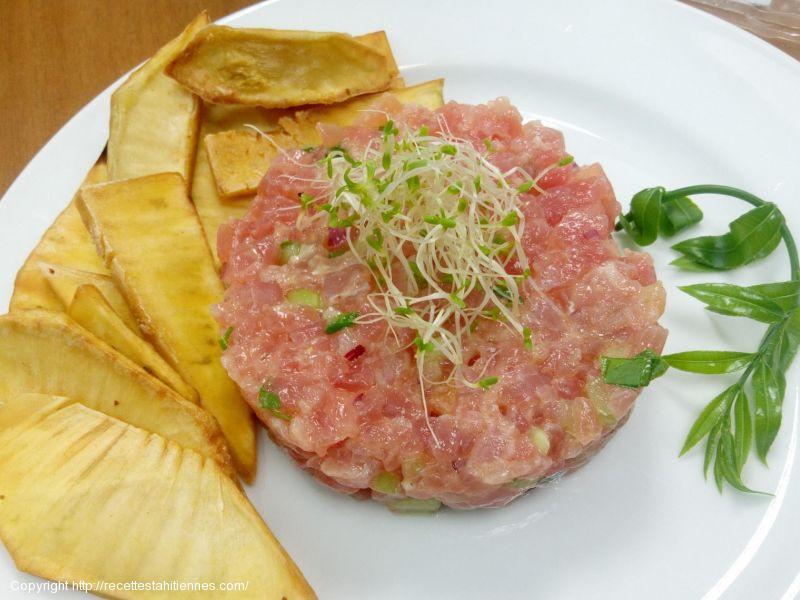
(58,54)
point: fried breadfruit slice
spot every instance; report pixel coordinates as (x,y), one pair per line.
(239,159)
(279,68)
(154,120)
(89,497)
(65,242)
(302,126)
(212,209)
(64,281)
(46,352)
(378,40)
(149,234)
(91,310)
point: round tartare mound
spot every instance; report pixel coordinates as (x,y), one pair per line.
(347,403)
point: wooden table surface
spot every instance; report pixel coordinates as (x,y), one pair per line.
(58,54)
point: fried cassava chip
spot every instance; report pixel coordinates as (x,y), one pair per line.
(149,234)
(48,353)
(278,69)
(89,497)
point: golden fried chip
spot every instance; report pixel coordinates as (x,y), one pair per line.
(149,234)
(64,281)
(302,126)
(377,40)
(213,209)
(240,158)
(48,353)
(89,497)
(90,309)
(278,69)
(66,242)
(154,120)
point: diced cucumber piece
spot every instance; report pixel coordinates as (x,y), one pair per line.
(540,439)
(413,505)
(289,249)
(304,297)
(386,482)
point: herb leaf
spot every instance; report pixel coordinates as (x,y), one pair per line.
(768,389)
(677,214)
(709,362)
(341,321)
(752,236)
(743,425)
(784,293)
(644,218)
(634,372)
(726,455)
(712,414)
(736,301)
(687,264)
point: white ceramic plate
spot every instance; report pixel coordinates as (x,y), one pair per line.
(659,94)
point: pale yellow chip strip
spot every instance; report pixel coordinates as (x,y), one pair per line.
(278,68)
(149,234)
(64,281)
(48,353)
(65,242)
(91,310)
(154,120)
(158,511)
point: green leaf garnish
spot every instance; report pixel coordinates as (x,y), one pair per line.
(341,321)
(644,219)
(731,424)
(736,301)
(709,362)
(752,236)
(677,214)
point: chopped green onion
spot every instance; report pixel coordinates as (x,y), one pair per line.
(341,321)
(526,338)
(272,402)
(404,310)
(488,143)
(226,338)
(566,160)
